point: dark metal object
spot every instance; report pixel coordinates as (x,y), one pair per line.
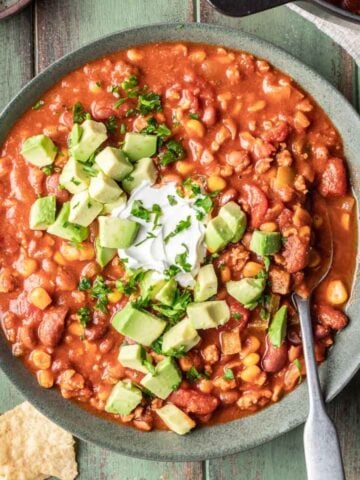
(241,8)
(8,7)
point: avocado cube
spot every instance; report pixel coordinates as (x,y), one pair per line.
(117,232)
(151,283)
(109,207)
(39,150)
(142,327)
(166,379)
(113,162)
(235,219)
(183,334)
(133,356)
(124,397)
(73,177)
(84,209)
(217,234)
(208,314)
(206,283)
(43,212)
(64,229)
(104,255)
(247,290)
(104,189)
(166,294)
(93,134)
(175,419)
(265,243)
(138,145)
(144,170)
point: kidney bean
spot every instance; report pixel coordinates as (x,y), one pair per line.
(95,332)
(52,326)
(228,195)
(330,317)
(106,345)
(258,203)
(277,133)
(27,337)
(193,401)
(66,119)
(333,181)
(209,116)
(274,359)
(52,187)
(101,109)
(296,253)
(321,331)
(65,280)
(293,337)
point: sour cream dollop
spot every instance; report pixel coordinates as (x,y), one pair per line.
(157,246)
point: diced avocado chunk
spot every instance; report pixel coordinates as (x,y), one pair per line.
(277,329)
(175,419)
(235,219)
(208,314)
(104,255)
(113,162)
(104,189)
(84,141)
(117,232)
(167,377)
(265,243)
(133,356)
(151,283)
(145,170)
(109,207)
(142,327)
(217,234)
(138,145)
(84,209)
(124,397)
(39,150)
(206,283)
(247,290)
(64,229)
(73,177)
(43,212)
(182,335)
(167,292)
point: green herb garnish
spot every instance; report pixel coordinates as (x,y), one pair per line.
(84,315)
(193,374)
(84,284)
(149,102)
(181,259)
(38,105)
(180,227)
(111,124)
(48,170)
(172,200)
(78,113)
(100,291)
(228,374)
(174,151)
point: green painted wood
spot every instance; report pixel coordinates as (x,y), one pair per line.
(283,458)
(63,25)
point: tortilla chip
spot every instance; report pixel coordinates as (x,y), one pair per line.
(34,448)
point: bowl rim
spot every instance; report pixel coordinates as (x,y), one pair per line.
(251,431)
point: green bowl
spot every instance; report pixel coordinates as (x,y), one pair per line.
(232,437)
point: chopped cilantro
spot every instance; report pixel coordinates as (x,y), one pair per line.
(119,102)
(180,227)
(130,112)
(148,236)
(177,310)
(205,203)
(100,291)
(172,271)
(84,315)
(129,287)
(122,128)
(38,105)
(139,211)
(228,374)
(84,284)
(174,151)
(193,374)
(78,113)
(149,102)
(172,200)
(181,259)
(153,128)
(191,186)
(111,124)
(48,170)
(74,181)
(194,116)
(149,366)
(130,83)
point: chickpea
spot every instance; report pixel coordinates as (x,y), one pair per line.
(184,168)
(251,269)
(216,183)
(195,128)
(336,292)
(40,359)
(251,359)
(45,378)
(250,374)
(250,345)
(40,298)
(225,274)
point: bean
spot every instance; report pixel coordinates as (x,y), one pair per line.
(274,359)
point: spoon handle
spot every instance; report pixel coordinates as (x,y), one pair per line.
(321,443)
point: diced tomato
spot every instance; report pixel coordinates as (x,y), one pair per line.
(258,203)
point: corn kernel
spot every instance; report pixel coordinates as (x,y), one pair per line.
(75,328)
(134,55)
(194,128)
(250,374)
(225,274)
(40,298)
(40,359)
(251,269)
(251,344)
(94,87)
(59,259)
(268,227)
(25,266)
(345,221)
(184,168)
(336,292)
(45,378)
(216,183)
(251,359)
(115,296)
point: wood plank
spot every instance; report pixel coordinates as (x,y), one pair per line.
(16,66)
(62,26)
(276,459)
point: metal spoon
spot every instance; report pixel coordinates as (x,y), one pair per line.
(321,444)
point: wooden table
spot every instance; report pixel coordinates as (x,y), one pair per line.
(50,28)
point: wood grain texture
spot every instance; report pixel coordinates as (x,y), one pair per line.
(63,25)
